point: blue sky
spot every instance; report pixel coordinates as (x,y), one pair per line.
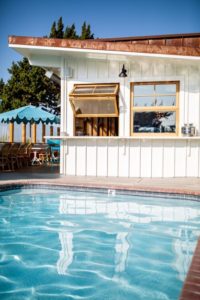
(108,18)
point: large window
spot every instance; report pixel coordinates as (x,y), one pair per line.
(154,108)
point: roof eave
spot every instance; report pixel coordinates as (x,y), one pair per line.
(32,49)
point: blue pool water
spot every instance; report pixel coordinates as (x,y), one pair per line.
(82,245)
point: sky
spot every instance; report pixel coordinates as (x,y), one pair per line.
(107,18)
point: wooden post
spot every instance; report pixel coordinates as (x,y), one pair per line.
(51,130)
(23,133)
(89,126)
(95,127)
(43,132)
(34,132)
(11,132)
(58,131)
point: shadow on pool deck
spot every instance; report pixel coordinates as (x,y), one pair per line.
(49,174)
(32,172)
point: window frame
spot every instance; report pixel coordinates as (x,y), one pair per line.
(174,108)
(113,97)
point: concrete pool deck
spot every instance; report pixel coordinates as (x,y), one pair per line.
(49,175)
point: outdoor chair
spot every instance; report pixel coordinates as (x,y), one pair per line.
(44,154)
(24,154)
(14,156)
(40,154)
(4,156)
(55,156)
(55,150)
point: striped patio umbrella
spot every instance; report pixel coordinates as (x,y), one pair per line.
(28,114)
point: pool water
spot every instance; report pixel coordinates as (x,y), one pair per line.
(59,244)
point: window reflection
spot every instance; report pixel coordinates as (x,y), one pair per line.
(154,122)
(165,89)
(155,107)
(155,101)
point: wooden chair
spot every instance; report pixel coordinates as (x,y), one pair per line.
(4,156)
(24,154)
(13,156)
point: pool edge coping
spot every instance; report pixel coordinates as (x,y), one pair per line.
(103,188)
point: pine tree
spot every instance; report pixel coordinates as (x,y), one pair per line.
(1,86)
(70,32)
(28,84)
(86,32)
(53,33)
(89,35)
(83,31)
(60,28)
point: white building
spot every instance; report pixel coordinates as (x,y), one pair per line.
(127,126)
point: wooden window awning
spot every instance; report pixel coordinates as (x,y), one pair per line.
(95,100)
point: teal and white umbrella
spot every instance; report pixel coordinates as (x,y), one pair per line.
(29,114)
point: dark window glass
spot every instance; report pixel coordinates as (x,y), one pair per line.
(155,122)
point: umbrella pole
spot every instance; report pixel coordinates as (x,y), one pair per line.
(11,132)
(43,132)
(34,132)
(51,130)
(23,133)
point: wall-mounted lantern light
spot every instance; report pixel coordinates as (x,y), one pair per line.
(123,72)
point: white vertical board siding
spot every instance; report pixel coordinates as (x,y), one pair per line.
(91,158)
(135,69)
(182,70)
(146,159)
(132,157)
(157,159)
(102,158)
(113,70)
(158,69)
(113,158)
(170,69)
(194,92)
(135,158)
(70,154)
(92,70)
(81,69)
(146,68)
(180,158)
(168,158)
(192,155)
(123,159)
(81,157)
(102,70)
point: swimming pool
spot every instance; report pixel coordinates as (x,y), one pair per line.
(64,244)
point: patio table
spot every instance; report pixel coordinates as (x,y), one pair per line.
(37,151)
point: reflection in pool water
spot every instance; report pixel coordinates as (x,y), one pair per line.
(72,245)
